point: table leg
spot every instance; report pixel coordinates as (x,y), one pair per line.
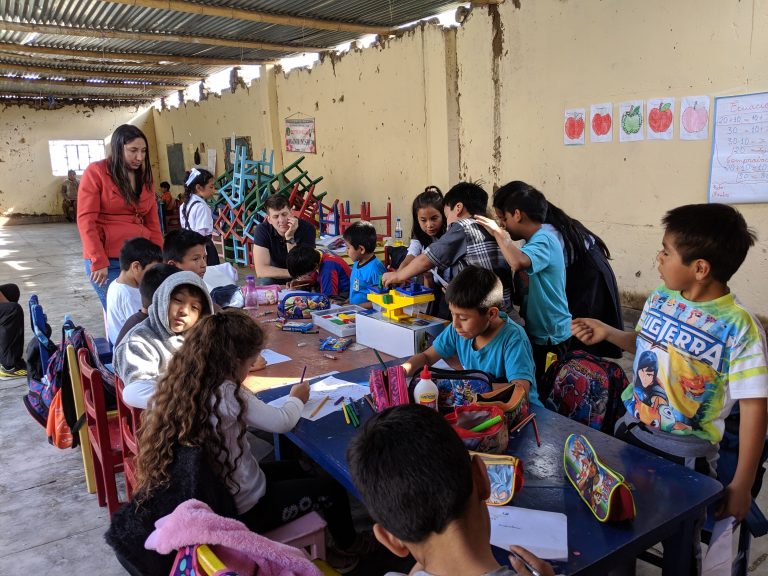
(276,437)
(678,550)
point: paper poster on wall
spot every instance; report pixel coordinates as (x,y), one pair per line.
(739,167)
(573,126)
(300,135)
(694,118)
(212,160)
(601,122)
(631,121)
(660,118)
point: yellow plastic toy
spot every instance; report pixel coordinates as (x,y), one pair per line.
(394,301)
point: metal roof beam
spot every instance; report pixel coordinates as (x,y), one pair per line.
(153,37)
(67,72)
(78,96)
(256,16)
(129,56)
(117,85)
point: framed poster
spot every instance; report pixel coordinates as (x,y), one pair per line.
(300,135)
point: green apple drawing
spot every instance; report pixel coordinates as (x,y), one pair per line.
(632,120)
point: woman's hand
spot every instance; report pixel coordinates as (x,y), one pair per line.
(300,391)
(99,276)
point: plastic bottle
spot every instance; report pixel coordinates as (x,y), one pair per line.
(425,392)
(398,232)
(249,293)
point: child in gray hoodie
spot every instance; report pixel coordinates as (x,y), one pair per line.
(143,354)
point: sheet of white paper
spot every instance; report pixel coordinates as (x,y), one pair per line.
(573,126)
(631,121)
(212,160)
(331,387)
(694,118)
(660,116)
(273,357)
(543,533)
(442,364)
(601,122)
(719,557)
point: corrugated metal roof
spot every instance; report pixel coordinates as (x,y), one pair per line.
(112,17)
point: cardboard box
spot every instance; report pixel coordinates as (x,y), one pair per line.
(328,319)
(398,339)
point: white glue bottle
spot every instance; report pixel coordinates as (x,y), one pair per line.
(425,392)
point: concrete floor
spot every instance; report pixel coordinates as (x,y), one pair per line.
(48,522)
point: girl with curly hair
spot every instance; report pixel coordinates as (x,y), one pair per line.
(199,402)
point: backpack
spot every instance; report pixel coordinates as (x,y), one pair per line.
(586,388)
(50,401)
(455,387)
(35,368)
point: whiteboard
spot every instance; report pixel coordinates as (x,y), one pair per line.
(739,168)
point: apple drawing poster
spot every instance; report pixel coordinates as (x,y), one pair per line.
(601,122)
(573,126)
(694,118)
(631,121)
(660,118)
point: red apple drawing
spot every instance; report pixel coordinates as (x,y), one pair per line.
(574,127)
(660,119)
(695,118)
(601,124)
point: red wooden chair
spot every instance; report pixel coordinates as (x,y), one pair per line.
(103,433)
(130,420)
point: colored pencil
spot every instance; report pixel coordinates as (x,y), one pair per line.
(317,408)
(383,365)
(370,402)
(523,422)
(536,431)
(352,415)
(486,424)
(303,373)
(346,416)
(339,401)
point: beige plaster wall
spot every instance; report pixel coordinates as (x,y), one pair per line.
(27,184)
(244,113)
(381,117)
(551,55)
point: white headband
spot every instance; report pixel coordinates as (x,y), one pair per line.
(194,173)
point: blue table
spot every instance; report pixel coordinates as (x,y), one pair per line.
(668,496)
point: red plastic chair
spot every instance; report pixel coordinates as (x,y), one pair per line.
(103,432)
(130,420)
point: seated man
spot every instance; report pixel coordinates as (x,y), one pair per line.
(428,497)
(275,237)
(11,333)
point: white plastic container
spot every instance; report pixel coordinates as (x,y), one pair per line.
(425,392)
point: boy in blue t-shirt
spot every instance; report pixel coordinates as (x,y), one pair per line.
(480,335)
(360,239)
(539,265)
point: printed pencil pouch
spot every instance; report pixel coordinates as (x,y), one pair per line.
(471,423)
(266,295)
(298,305)
(455,387)
(512,400)
(604,490)
(388,388)
(505,474)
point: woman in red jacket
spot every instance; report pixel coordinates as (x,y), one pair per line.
(116,202)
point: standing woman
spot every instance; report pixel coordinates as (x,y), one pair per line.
(116,202)
(195,214)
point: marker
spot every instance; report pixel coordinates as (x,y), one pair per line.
(352,415)
(340,400)
(383,365)
(485,425)
(346,416)
(317,408)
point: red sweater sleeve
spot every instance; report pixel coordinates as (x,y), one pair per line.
(88,210)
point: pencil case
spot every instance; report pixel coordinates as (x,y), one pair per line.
(455,387)
(603,490)
(266,295)
(300,305)
(492,440)
(388,388)
(505,474)
(512,400)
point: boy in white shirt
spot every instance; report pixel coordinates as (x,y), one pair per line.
(123,298)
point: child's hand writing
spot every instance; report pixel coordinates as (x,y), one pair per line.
(300,391)
(542,567)
(589,330)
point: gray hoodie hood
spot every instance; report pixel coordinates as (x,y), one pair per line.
(143,354)
(158,310)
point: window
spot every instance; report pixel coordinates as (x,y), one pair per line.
(74,155)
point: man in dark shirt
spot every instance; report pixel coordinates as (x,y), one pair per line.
(275,237)
(11,333)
